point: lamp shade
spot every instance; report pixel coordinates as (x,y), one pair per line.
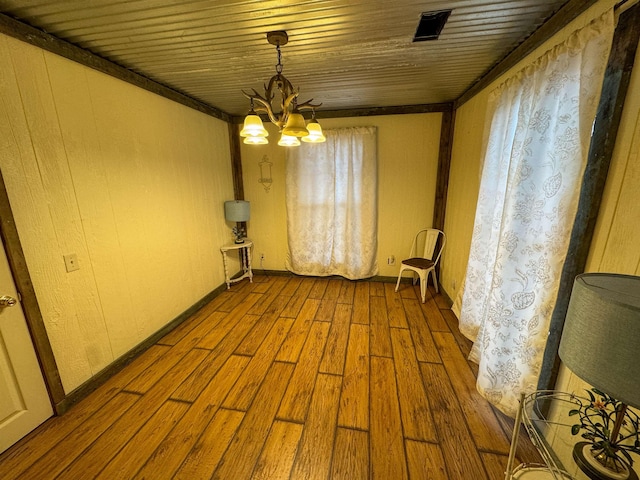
(236,210)
(601,338)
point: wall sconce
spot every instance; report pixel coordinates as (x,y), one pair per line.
(265,173)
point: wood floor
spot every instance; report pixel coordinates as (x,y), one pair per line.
(286,378)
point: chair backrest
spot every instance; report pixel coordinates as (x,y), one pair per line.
(431,238)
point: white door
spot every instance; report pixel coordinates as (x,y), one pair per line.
(24,401)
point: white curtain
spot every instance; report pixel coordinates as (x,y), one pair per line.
(533,166)
(331,195)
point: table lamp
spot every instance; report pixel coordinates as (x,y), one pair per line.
(601,344)
(237,211)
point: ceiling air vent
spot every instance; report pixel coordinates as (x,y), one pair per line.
(430,25)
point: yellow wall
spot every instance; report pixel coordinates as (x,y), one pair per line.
(617,235)
(615,244)
(464,184)
(130,182)
(407,168)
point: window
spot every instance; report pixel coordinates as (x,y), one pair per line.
(331,195)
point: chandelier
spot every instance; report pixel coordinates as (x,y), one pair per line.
(289,120)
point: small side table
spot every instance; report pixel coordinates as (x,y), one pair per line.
(552,468)
(244,252)
(530,416)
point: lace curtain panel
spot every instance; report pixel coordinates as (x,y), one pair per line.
(532,173)
(331,196)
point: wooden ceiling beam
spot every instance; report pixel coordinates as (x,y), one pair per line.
(373,111)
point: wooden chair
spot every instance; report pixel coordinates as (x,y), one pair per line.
(425,264)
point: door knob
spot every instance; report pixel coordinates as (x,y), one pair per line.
(7,301)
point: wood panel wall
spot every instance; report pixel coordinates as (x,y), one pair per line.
(130,182)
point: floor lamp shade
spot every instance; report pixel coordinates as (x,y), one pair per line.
(601,337)
(236,211)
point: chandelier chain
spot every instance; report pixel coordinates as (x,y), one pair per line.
(279,64)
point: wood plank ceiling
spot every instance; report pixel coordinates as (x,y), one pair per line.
(344,53)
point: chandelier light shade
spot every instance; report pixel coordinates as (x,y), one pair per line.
(315,133)
(253,126)
(288,141)
(256,140)
(289,120)
(295,126)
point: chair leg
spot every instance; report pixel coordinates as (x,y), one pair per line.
(423,286)
(399,277)
(435,280)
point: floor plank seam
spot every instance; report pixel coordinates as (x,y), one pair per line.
(197,347)
(180,400)
(132,392)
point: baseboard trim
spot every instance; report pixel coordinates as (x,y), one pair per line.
(273,273)
(286,273)
(101,377)
(380,278)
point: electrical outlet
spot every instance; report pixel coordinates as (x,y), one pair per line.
(391,260)
(71,262)
(261,256)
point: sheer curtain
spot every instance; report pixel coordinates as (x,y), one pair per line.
(331,195)
(533,167)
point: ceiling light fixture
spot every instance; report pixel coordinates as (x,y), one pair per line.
(289,119)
